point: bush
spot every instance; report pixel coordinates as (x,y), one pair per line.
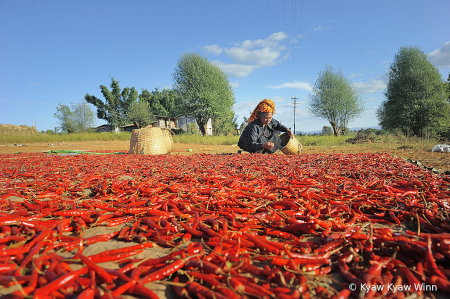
(192,129)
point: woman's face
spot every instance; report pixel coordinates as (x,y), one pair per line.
(266,118)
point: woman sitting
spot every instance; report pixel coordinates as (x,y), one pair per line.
(261,133)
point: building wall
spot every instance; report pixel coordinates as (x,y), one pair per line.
(165,123)
(189,119)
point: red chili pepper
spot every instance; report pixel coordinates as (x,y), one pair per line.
(261,244)
(215,283)
(114,257)
(56,284)
(431,262)
(163,272)
(195,289)
(13,251)
(71,213)
(156,261)
(441,283)
(100,238)
(142,291)
(87,294)
(100,271)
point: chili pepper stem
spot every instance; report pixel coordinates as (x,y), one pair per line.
(19,286)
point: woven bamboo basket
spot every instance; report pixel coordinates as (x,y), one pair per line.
(136,142)
(148,141)
(168,139)
(154,143)
(292,145)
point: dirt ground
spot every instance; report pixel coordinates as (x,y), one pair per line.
(440,161)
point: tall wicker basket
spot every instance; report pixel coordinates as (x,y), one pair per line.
(148,141)
(293,146)
(168,139)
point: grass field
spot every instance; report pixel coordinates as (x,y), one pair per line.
(75,137)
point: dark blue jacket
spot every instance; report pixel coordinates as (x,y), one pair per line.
(254,135)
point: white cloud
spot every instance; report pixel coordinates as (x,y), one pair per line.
(250,55)
(260,57)
(271,41)
(371,86)
(355,75)
(234,70)
(441,57)
(321,27)
(277,99)
(318,28)
(235,84)
(295,84)
(213,49)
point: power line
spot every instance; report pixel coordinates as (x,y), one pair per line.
(27,102)
(295,106)
(271,15)
(300,37)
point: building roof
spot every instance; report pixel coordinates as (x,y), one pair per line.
(160,116)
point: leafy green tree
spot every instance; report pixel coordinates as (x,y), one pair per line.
(64,116)
(162,103)
(335,99)
(82,116)
(244,124)
(326,130)
(416,97)
(78,119)
(204,91)
(117,103)
(140,114)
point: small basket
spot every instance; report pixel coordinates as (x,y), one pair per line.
(292,145)
(148,141)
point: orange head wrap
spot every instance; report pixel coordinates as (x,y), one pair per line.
(263,106)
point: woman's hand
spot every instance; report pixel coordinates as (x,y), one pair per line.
(268,145)
(290,133)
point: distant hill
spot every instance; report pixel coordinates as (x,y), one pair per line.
(351,129)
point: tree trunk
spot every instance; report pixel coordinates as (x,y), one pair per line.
(201,126)
(335,129)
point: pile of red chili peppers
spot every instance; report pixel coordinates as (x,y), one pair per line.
(234,226)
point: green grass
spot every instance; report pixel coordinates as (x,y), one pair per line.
(75,137)
(308,140)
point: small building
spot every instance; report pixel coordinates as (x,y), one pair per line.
(106,128)
(128,128)
(165,122)
(184,120)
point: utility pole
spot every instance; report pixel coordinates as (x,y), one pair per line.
(295,106)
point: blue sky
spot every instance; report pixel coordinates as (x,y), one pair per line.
(55,52)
